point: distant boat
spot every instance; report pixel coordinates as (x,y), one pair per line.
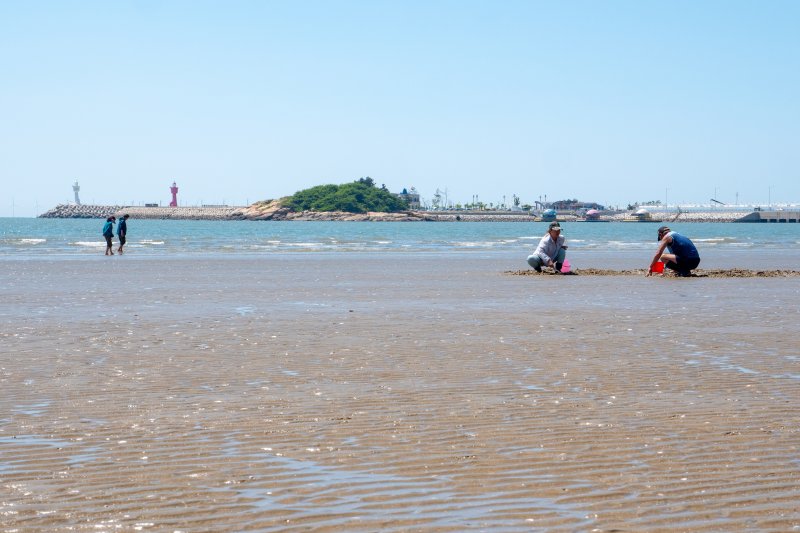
(592,215)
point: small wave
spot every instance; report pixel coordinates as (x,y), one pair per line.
(475,244)
(29,241)
(627,244)
(91,244)
(147,241)
(717,240)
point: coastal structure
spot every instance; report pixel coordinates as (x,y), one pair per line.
(642,215)
(76,188)
(777,216)
(411,197)
(81,211)
(274,210)
(174,191)
(549,215)
(575,205)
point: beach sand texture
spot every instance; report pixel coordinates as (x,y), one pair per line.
(393,393)
(699,273)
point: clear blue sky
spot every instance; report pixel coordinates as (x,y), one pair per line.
(238,101)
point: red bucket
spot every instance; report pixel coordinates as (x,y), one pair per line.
(658,268)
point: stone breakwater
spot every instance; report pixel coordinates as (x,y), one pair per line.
(258,211)
(184,213)
(699,216)
(81,211)
(162,213)
(273,210)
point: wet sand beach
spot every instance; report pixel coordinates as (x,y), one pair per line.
(699,273)
(392,392)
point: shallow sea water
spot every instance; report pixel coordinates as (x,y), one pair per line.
(23,238)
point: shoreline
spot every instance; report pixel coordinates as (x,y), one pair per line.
(272,211)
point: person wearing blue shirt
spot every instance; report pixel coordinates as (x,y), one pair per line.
(682,257)
(122,231)
(108,233)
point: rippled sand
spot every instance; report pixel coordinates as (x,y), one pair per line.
(394,393)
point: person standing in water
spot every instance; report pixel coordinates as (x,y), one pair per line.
(122,231)
(683,256)
(108,234)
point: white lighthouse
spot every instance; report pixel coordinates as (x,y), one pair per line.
(76,188)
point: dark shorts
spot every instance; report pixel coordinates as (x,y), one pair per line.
(108,241)
(684,265)
(121,239)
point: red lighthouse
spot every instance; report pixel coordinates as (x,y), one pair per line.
(174,191)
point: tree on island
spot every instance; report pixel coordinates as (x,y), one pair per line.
(360,196)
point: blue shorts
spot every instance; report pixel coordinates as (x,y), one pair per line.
(684,265)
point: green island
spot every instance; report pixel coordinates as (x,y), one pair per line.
(360,196)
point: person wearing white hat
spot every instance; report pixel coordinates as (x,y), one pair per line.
(551,250)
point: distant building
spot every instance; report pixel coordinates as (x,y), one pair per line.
(592,214)
(411,197)
(549,215)
(76,189)
(574,205)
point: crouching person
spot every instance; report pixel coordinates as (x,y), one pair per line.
(551,250)
(682,257)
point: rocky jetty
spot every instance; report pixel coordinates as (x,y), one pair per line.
(684,216)
(184,213)
(269,210)
(81,211)
(274,210)
(449,216)
(161,213)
